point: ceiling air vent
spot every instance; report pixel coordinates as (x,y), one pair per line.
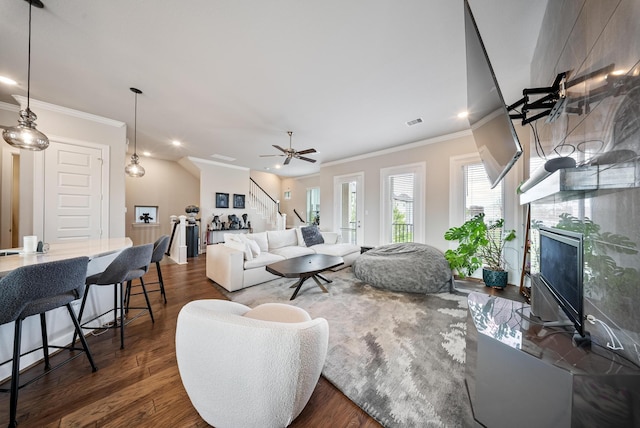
(414,121)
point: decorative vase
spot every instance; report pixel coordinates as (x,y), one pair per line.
(494,278)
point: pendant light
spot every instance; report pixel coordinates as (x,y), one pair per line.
(134,169)
(25,135)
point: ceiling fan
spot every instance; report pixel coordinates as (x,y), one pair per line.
(290,153)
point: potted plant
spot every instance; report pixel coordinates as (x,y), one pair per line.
(480,243)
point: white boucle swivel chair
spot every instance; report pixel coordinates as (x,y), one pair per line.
(244,367)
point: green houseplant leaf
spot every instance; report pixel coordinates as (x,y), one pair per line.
(479,243)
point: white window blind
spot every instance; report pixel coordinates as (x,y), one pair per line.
(478,195)
(402,204)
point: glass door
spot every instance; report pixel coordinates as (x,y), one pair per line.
(349,205)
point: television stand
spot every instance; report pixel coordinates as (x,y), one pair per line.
(528,375)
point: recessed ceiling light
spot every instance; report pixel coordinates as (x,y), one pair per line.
(146,153)
(463,114)
(278,166)
(7,81)
(176,143)
(223,157)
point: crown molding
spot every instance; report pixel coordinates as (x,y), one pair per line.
(434,140)
(68,111)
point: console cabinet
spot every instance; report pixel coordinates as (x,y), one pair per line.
(525,375)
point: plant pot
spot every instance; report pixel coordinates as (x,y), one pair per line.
(494,278)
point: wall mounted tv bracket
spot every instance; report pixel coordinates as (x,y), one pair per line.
(556,98)
(552,101)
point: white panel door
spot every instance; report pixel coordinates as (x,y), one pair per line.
(73,192)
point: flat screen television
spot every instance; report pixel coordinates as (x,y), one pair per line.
(561,271)
(492,129)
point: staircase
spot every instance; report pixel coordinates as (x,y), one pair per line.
(267,207)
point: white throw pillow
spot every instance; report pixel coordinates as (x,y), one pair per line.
(240,246)
(253,245)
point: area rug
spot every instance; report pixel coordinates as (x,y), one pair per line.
(398,356)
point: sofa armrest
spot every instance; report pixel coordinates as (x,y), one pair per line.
(225,266)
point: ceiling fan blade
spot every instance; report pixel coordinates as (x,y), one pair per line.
(280,148)
(306,159)
(304,152)
(287,160)
(268,156)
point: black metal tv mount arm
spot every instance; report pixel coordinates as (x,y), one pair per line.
(556,96)
(552,101)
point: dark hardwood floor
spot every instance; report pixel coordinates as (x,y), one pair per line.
(140,386)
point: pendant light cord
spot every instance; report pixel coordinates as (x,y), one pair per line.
(135,126)
(29,60)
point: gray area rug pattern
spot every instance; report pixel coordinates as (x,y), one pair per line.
(399,356)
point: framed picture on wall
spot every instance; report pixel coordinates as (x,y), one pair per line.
(222,200)
(238,201)
(146,214)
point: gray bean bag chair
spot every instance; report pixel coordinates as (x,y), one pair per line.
(408,267)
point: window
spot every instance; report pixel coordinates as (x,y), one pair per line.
(401,186)
(478,195)
(313,205)
(402,203)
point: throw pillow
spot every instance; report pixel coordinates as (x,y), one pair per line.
(311,235)
(240,246)
(253,245)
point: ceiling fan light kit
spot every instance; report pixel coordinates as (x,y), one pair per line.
(25,135)
(134,169)
(291,153)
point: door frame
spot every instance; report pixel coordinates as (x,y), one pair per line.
(6,193)
(39,184)
(338,180)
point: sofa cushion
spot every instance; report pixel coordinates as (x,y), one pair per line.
(339,250)
(278,312)
(331,237)
(253,245)
(261,239)
(293,251)
(263,259)
(311,235)
(236,244)
(281,238)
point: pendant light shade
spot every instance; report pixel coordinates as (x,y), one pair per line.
(25,135)
(134,169)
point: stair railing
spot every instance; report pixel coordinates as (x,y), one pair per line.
(266,206)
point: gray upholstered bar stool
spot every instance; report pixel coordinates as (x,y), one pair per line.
(160,247)
(36,289)
(132,263)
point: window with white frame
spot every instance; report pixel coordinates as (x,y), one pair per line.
(402,203)
(478,195)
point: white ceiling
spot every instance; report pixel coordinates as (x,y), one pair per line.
(232,77)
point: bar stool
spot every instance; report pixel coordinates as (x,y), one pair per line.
(159,249)
(132,263)
(37,289)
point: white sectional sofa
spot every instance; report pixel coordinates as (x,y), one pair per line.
(234,265)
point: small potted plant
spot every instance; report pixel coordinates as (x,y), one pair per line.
(480,243)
